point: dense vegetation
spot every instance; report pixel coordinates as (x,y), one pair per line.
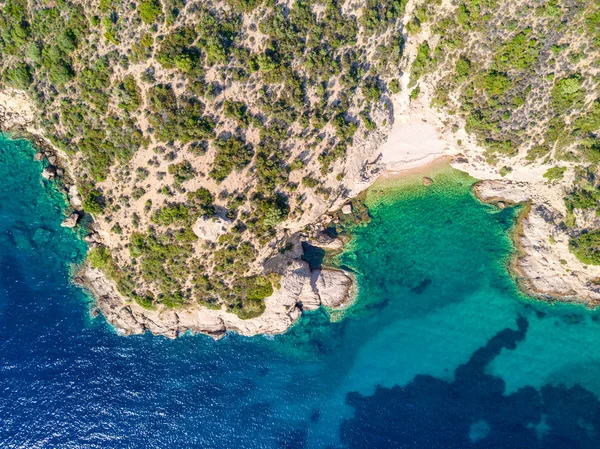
(176,110)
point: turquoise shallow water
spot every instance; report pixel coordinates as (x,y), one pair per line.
(439,351)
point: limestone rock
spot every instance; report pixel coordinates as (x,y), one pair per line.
(70,221)
(49,172)
(281,309)
(75,198)
(427,181)
(492,191)
(347,209)
(308,299)
(39,156)
(323,240)
(332,286)
(211,228)
(92,237)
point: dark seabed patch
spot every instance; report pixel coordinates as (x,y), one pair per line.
(473,411)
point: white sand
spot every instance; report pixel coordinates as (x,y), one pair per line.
(412,144)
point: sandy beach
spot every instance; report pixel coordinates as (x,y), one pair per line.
(414,143)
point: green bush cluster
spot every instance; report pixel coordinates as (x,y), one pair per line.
(149,10)
(586,247)
(232,154)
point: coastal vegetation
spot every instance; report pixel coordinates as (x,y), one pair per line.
(174,112)
(521,78)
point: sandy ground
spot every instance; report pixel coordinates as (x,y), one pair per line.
(411,144)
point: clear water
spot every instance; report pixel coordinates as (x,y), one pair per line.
(440,350)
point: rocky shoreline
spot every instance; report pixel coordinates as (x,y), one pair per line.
(300,288)
(542,266)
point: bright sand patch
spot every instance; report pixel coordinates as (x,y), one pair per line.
(412,144)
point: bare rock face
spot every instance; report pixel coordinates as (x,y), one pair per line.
(49,172)
(322,240)
(211,228)
(70,221)
(347,209)
(75,198)
(309,299)
(492,191)
(332,286)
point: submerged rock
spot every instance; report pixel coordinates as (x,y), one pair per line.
(427,181)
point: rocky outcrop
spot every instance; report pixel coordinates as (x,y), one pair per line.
(15,110)
(211,228)
(332,286)
(70,221)
(494,191)
(74,198)
(543,266)
(325,241)
(299,289)
(282,309)
(49,172)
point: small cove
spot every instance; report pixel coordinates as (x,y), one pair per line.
(439,350)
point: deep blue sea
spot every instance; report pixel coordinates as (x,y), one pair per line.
(439,351)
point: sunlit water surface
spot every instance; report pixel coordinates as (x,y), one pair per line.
(439,351)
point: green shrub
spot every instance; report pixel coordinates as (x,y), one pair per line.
(183,171)
(149,10)
(555,173)
(586,247)
(420,64)
(93,202)
(520,52)
(173,214)
(568,93)
(19,76)
(494,83)
(99,257)
(232,154)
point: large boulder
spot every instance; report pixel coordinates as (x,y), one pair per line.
(333,287)
(75,198)
(325,241)
(49,172)
(70,221)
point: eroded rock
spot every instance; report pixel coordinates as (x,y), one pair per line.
(70,221)
(49,172)
(333,286)
(211,228)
